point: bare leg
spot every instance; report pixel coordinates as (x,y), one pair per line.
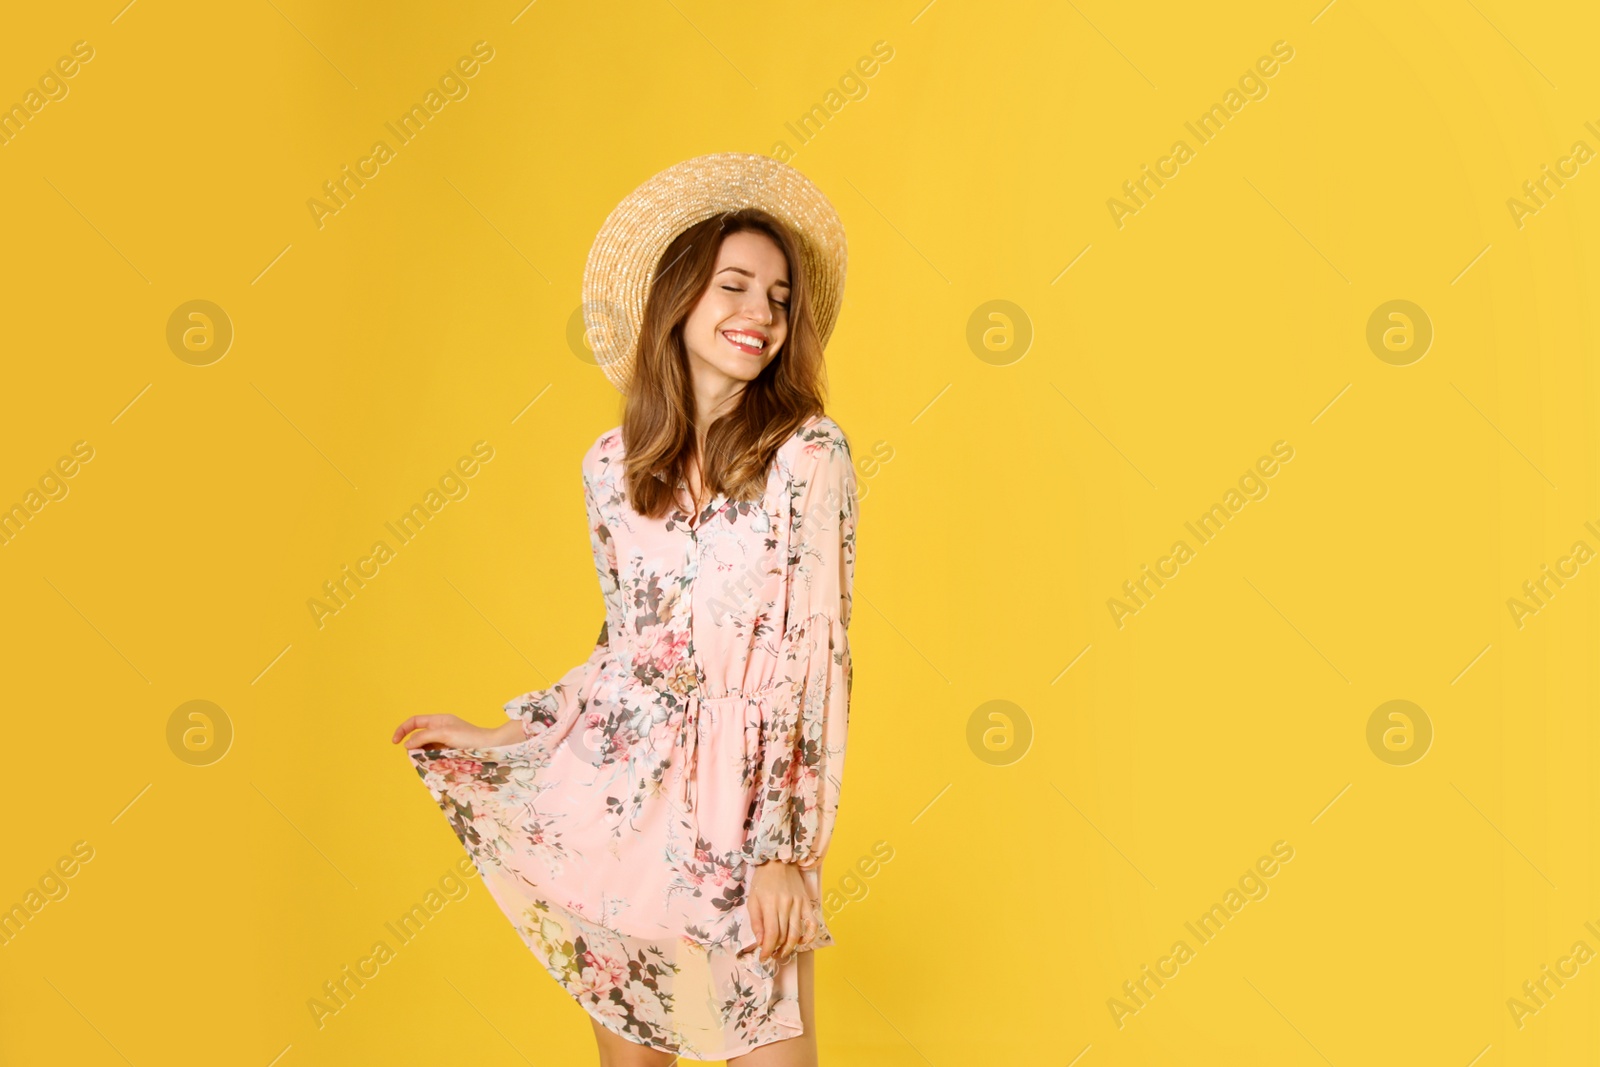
(618,1051)
(795,1051)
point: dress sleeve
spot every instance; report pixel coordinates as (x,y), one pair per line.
(541,709)
(804,737)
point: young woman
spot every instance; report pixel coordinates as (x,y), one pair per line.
(654,823)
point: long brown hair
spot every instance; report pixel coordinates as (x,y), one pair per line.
(658,429)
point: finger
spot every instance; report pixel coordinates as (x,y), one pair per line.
(783,931)
(793,931)
(757,926)
(423,737)
(784,942)
(416,722)
(780,932)
(763,926)
(774,932)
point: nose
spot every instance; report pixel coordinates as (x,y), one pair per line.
(763,312)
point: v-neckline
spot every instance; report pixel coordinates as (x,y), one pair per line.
(700,515)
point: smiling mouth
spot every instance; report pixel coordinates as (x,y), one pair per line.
(748,343)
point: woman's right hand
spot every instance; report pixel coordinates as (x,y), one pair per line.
(449,731)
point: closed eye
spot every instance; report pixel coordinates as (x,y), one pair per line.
(735,289)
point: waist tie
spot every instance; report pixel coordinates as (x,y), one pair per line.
(689,742)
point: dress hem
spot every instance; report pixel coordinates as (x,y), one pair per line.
(707,1057)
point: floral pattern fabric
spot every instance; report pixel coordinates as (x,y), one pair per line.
(705,734)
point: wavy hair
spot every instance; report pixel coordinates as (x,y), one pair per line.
(658,423)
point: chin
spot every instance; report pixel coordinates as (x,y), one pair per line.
(738,370)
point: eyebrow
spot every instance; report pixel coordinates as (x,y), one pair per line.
(747,274)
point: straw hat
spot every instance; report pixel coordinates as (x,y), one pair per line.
(622,261)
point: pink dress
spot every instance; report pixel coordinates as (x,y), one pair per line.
(705,734)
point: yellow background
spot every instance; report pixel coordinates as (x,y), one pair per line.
(432,312)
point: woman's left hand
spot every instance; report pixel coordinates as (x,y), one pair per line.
(782,914)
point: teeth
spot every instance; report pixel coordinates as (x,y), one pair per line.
(745,338)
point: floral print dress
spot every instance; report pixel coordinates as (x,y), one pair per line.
(704,735)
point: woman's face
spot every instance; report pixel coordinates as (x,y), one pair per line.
(742,318)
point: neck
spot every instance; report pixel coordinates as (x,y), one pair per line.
(715,394)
